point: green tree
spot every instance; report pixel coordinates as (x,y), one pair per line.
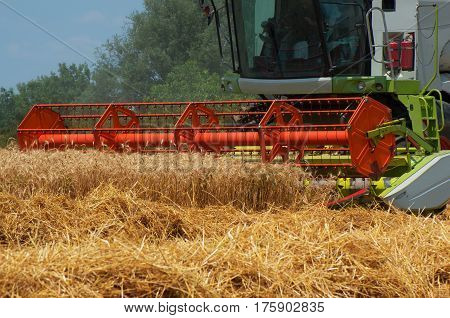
(65,86)
(165,35)
(189,82)
(8,118)
(105,87)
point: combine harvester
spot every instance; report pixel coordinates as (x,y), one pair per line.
(357,89)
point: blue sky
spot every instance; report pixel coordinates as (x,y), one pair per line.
(27,52)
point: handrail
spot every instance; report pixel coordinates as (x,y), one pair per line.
(372,44)
(441,101)
(427,114)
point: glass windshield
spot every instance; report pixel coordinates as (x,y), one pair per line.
(285,38)
(345,35)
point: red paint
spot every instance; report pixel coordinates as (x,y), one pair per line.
(407,59)
(284,129)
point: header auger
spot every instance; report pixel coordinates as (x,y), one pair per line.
(341,94)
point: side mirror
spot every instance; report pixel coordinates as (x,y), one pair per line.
(208,11)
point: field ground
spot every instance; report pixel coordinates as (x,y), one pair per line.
(89,224)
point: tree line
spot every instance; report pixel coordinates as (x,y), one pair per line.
(167,52)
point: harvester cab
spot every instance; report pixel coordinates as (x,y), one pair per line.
(346,89)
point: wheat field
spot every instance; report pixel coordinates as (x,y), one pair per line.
(91,224)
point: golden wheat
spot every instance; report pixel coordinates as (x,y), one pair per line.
(89,224)
(188,180)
